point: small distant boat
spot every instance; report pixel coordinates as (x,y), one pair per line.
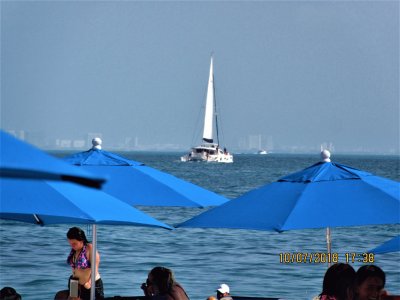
(209,151)
(261,151)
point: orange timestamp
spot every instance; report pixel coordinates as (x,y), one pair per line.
(322,257)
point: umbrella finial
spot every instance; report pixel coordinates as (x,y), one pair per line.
(96,142)
(325,155)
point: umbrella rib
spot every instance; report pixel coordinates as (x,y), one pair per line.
(378,189)
(86,158)
(296,204)
(89,217)
(38,220)
(170,188)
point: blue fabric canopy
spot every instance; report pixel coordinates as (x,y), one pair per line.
(323,171)
(57,202)
(98,157)
(26,197)
(138,184)
(391,245)
(323,195)
(21,160)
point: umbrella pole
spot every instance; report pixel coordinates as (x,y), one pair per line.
(328,245)
(93,262)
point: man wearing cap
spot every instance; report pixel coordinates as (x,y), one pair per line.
(223,292)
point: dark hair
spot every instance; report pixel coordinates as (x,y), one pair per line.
(339,281)
(368,271)
(75,233)
(163,278)
(9,293)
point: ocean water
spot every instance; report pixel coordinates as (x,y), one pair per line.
(32,258)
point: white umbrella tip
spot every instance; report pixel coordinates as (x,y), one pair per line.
(325,155)
(96,142)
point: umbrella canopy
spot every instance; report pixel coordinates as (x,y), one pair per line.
(26,197)
(138,184)
(57,202)
(391,245)
(324,195)
(21,160)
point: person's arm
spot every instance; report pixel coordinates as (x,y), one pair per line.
(146,290)
(88,284)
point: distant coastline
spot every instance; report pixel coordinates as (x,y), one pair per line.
(135,144)
(64,152)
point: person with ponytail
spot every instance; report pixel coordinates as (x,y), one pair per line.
(80,261)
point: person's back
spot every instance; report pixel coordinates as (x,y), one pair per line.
(177,293)
(161,285)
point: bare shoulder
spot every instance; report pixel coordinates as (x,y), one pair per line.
(89,248)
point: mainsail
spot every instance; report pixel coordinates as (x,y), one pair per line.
(209,111)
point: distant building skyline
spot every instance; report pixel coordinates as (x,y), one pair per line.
(249,144)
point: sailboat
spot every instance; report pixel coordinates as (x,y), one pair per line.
(209,151)
(261,151)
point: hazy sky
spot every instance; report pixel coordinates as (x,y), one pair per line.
(302,72)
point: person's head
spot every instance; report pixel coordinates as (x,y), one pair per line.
(76,238)
(62,295)
(160,280)
(223,290)
(339,281)
(370,281)
(9,293)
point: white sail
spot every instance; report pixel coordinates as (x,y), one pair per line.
(209,111)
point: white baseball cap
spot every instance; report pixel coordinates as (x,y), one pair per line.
(223,288)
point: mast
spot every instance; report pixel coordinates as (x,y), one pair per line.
(216,115)
(209,110)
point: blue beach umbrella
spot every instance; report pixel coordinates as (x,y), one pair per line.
(138,184)
(26,197)
(325,194)
(55,202)
(58,202)
(21,160)
(391,245)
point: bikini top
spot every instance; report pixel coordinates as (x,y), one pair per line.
(81,262)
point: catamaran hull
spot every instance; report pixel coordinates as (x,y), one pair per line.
(208,153)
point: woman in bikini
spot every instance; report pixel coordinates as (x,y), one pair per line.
(80,261)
